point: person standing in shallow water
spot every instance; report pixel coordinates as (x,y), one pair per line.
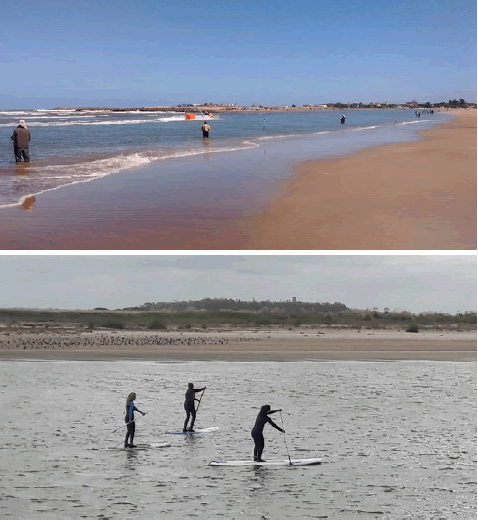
(129,420)
(21,141)
(206,129)
(261,420)
(189,405)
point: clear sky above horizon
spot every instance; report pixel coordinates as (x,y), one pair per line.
(267,52)
(400,282)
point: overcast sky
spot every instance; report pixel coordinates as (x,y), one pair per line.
(411,282)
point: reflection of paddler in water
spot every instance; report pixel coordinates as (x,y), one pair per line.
(28,203)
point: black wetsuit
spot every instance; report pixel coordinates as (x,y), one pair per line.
(257,435)
(189,406)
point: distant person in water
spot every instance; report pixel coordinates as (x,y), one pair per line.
(21,141)
(261,420)
(206,129)
(190,407)
(342,119)
(129,420)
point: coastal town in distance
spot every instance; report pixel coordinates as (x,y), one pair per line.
(231,107)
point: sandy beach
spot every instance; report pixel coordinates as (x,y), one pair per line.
(243,345)
(409,195)
(416,195)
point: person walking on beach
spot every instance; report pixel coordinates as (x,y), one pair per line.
(261,420)
(190,407)
(21,138)
(129,420)
(206,129)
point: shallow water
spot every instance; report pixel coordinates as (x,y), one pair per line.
(398,441)
(69,147)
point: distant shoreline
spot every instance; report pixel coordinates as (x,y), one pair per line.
(224,109)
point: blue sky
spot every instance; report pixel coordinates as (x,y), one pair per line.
(270,52)
(400,282)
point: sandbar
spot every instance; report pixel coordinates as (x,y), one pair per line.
(254,346)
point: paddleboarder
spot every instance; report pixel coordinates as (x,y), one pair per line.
(189,405)
(129,420)
(261,420)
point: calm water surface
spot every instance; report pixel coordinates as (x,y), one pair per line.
(398,441)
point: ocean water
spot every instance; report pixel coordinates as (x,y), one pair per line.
(397,441)
(72,147)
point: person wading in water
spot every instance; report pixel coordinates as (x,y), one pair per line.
(129,420)
(261,420)
(189,405)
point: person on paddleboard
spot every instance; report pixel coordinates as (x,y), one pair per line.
(129,420)
(189,405)
(261,420)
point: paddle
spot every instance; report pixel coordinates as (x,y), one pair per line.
(200,399)
(119,427)
(287,448)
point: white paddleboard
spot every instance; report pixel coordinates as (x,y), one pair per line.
(295,462)
(195,432)
(155,445)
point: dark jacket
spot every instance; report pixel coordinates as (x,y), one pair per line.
(21,137)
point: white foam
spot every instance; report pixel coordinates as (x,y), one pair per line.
(83,172)
(110,122)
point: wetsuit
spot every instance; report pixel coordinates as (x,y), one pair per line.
(190,408)
(257,435)
(130,426)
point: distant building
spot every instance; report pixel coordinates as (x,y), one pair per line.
(412,104)
(294,299)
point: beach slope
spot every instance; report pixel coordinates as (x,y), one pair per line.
(415,195)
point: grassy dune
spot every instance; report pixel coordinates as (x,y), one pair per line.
(188,320)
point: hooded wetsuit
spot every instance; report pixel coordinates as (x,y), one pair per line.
(261,420)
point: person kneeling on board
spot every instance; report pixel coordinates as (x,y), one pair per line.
(129,420)
(189,405)
(261,420)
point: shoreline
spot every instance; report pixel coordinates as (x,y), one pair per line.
(397,196)
(245,346)
(180,205)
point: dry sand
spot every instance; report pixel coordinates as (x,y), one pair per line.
(271,345)
(414,195)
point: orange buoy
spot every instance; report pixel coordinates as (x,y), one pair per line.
(190,116)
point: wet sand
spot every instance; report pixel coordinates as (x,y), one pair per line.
(251,346)
(415,195)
